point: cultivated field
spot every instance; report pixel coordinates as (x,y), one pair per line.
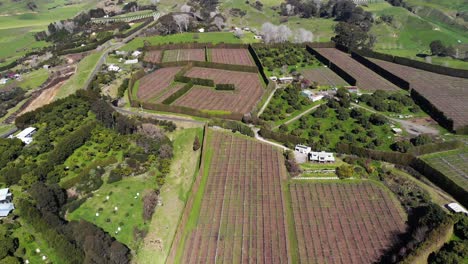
(248,91)
(365,77)
(452,164)
(344,223)
(323,76)
(241,217)
(153,56)
(184,55)
(154,84)
(232,56)
(446,93)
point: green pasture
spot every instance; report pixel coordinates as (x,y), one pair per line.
(129,214)
(410,34)
(174,195)
(322,28)
(15,42)
(198,197)
(31,241)
(32,79)
(208,37)
(83,73)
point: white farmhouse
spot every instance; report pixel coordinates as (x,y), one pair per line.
(3,80)
(134,61)
(321,156)
(287,79)
(136,53)
(303,149)
(457,208)
(113,68)
(26,135)
(6,202)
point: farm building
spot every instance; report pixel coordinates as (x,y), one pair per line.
(6,202)
(131,61)
(352,89)
(397,130)
(313,97)
(274,78)
(286,79)
(113,68)
(136,53)
(456,208)
(303,149)
(25,135)
(321,156)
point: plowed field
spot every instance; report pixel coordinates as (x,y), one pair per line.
(323,76)
(242,100)
(344,223)
(241,218)
(184,55)
(153,56)
(365,77)
(152,85)
(232,56)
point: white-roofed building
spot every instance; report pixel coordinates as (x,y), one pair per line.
(26,135)
(6,204)
(303,149)
(113,68)
(286,79)
(321,156)
(131,61)
(457,208)
(136,53)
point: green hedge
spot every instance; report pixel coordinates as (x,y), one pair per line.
(178,94)
(225,87)
(194,81)
(392,157)
(283,138)
(234,126)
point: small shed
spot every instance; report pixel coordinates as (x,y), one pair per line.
(456,208)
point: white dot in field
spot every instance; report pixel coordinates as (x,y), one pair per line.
(116,208)
(38,250)
(138,194)
(135,197)
(107,197)
(119,229)
(44,257)
(97,214)
(26,261)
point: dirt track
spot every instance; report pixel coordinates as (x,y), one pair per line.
(46,97)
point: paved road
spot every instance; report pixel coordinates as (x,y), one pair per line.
(412,128)
(260,138)
(158,116)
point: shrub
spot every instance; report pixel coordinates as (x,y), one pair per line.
(196,143)
(149,205)
(225,87)
(114,176)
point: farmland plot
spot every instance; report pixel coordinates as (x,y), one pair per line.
(232,56)
(241,217)
(184,55)
(323,76)
(446,93)
(154,84)
(153,56)
(246,94)
(365,77)
(344,223)
(452,164)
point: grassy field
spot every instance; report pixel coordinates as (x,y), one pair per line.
(195,212)
(83,72)
(174,195)
(322,28)
(209,37)
(410,34)
(127,196)
(32,79)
